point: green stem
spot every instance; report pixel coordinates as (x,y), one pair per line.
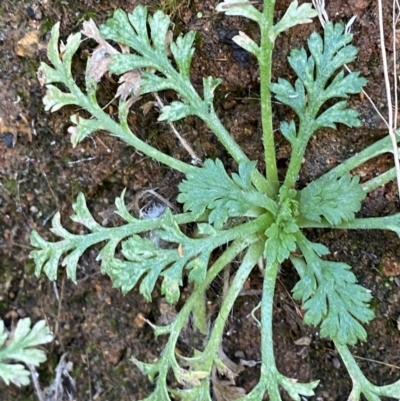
(381,146)
(269,371)
(391,223)
(380,180)
(107,233)
(234,249)
(361,385)
(207,113)
(299,146)
(264,58)
(294,166)
(124,133)
(214,123)
(241,231)
(249,261)
(270,377)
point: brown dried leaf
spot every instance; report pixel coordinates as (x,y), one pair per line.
(167,312)
(124,48)
(303,341)
(100,60)
(168,40)
(98,63)
(91,31)
(147,107)
(29,44)
(232,369)
(223,391)
(129,84)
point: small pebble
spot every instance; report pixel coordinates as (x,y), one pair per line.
(9,140)
(31,12)
(336,363)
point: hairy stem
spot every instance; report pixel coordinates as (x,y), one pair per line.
(361,385)
(391,223)
(269,372)
(299,146)
(249,261)
(124,133)
(380,180)
(265,62)
(214,123)
(169,352)
(379,147)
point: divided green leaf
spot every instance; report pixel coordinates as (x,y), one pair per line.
(335,199)
(312,88)
(55,99)
(82,129)
(295,15)
(21,346)
(151,49)
(330,295)
(281,238)
(147,261)
(47,254)
(243,8)
(175,111)
(211,188)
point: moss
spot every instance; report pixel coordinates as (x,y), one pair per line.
(4,308)
(6,272)
(47,24)
(114,323)
(29,267)
(11,186)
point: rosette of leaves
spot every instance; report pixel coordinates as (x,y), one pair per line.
(253,215)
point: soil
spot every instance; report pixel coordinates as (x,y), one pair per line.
(40,174)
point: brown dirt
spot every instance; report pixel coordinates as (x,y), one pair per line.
(94,323)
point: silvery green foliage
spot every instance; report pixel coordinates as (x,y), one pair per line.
(336,200)
(151,52)
(312,90)
(295,15)
(210,188)
(240,8)
(246,212)
(21,345)
(330,295)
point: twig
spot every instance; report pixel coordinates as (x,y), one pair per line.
(90,377)
(195,159)
(57,384)
(59,299)
(35,382)
(392,123)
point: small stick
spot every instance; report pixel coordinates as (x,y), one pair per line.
(392,124)
(35,382)
(195,159)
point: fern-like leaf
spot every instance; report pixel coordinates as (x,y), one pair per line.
(330,295)
(312,88)
(337,200)
(210,187)
(21,346)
